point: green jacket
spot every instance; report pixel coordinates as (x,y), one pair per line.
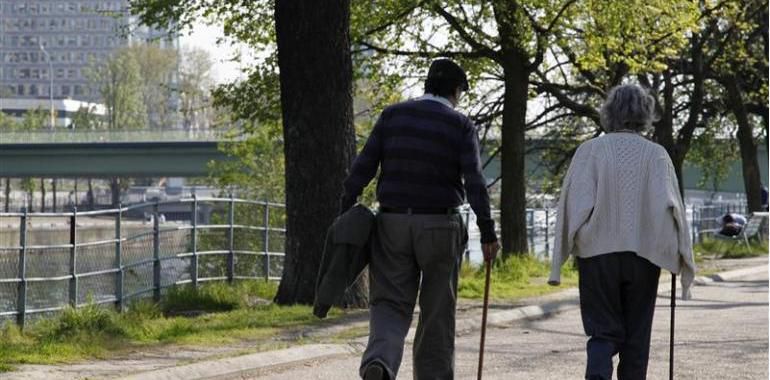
(345,255)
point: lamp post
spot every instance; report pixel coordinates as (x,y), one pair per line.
(50,87)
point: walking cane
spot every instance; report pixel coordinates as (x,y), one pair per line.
(488,264)
(671,338)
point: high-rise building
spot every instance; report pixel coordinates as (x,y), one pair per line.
(71,34)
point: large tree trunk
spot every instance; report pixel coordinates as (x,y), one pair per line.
(316,104)
(513,197)
(751,177)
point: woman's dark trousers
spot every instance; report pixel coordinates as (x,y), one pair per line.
(617,303)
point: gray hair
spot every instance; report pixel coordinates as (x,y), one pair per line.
(628,107)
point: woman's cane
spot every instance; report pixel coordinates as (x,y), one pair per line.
(488,264)
(671,338)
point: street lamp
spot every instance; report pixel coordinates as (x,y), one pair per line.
(50,87)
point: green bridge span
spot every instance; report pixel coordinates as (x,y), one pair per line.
(103,154)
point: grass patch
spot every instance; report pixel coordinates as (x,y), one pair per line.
(730,249)
(350,333)
(94,331)
(517,276)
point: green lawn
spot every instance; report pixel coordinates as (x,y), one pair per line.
(515,277)
(729,249)
(94,332)
(226,314)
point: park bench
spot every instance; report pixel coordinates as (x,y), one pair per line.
(753,228)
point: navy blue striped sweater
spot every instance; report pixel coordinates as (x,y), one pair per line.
(424,150)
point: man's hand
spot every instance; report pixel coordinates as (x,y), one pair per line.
(490,250)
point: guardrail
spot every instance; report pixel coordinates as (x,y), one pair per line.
(108,136)
(147,260)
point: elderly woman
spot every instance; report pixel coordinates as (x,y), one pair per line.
(621,215)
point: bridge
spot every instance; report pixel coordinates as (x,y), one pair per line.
(104,153)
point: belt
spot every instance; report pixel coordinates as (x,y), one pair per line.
(421,210)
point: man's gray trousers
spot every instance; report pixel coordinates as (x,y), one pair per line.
(412,253)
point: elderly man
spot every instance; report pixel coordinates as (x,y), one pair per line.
(424,149)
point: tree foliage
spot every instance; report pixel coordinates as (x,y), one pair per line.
(157,68)
(195,85)
(119,82)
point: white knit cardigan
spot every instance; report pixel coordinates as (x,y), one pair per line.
(621,194)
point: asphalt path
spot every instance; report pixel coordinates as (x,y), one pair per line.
(722,333)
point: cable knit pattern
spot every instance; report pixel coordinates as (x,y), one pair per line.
(620,193)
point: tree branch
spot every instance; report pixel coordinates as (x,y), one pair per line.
(578,108)
(425,54)
(393,20)
(455,25)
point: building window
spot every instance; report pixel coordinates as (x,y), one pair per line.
(65,90)
(33,89)
(21,90)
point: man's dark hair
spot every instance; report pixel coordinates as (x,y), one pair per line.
(444,77)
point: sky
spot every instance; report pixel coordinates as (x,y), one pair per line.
(205,36)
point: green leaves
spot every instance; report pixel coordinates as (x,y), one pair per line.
(119,82)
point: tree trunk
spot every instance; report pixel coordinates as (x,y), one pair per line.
(53,189)
(114,191)
(513,197)
(515,64)
(90,194)
(751,177)
(31,200)
(664,131)
(7,194)
(316,104)
(42,195)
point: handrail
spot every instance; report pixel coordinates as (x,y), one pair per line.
(126,266)
(139,206)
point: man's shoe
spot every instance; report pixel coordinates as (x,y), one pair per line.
(374,372)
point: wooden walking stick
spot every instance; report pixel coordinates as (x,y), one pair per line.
(671,338)
(488,264)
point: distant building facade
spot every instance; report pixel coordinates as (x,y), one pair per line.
(65,109)
(73,34)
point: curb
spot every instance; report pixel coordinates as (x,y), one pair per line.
(738,273)
(242,365)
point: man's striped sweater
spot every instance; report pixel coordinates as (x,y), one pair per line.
(424,150)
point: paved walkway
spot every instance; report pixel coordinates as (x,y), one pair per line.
(721,334)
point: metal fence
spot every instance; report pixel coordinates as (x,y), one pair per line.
(541,223)
(144,256)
